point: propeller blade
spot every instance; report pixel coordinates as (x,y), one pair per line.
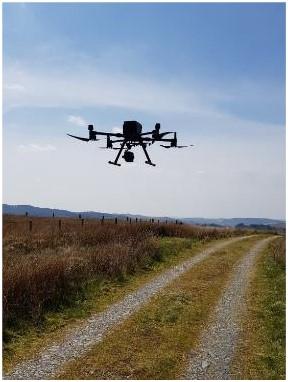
(166,147)
(181,147)
(109,148)
(163,134)
(80,138)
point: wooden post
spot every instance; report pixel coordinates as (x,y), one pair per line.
(158,222)
(53,215)
(130,221)
(30,225)
(102,220)
(152,220)
(166,222)
(136,220)
(127,219)
(82,222)
(115,220)
(59,224)
(176,222)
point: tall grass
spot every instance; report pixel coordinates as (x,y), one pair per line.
(44,269)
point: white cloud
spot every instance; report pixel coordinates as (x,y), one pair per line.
(77,120)
(14,87)
(90,87)
(32,147)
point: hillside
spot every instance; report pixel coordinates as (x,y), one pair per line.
(46,212)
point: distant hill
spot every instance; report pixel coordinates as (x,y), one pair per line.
(233,222)
(46,212)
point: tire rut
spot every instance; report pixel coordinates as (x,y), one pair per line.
(212,358)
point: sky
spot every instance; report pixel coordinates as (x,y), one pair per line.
(213,72)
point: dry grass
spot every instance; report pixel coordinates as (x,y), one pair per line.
(47,268)
(162,333)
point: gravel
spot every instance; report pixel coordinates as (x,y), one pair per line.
(212,358)
(80,340)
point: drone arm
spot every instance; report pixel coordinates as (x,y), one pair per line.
(148,133)
(119,135)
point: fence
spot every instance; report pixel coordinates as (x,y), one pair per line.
(34,223)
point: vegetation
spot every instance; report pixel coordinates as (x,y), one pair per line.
(169,325)
(26,331)
(261,354)
(47,269)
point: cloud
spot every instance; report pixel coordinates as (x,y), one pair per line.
(14,87)
(77,120)
(32,147)
(90,87)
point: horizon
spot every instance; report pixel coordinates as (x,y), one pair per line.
(217,78)
(149,215)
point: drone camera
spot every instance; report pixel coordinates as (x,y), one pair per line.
(128,156)
(90,127)
(157,126)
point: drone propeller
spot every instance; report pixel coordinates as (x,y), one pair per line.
(80,138)
(111,148)
(182,147)
(176,147)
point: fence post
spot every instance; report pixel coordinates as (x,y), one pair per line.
(102,220)
(158,222)
(53,215)
(115,220)
(30,225)
(176,222)
(59,224)
(130,221)
(136,220)
(82,222)
(26,213)
(152,220)
(166,222)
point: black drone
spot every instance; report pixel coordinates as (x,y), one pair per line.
(130,137)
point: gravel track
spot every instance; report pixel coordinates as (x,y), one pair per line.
(92,330)
(212,358)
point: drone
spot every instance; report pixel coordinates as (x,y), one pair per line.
(130,137)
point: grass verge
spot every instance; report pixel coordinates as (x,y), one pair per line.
(154,343)
(261,350)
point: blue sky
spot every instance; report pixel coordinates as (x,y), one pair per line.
(213,72)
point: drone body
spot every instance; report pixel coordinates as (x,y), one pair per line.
(132,136)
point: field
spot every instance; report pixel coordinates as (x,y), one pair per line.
(47,267)
(58,277)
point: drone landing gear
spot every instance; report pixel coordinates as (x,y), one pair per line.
(151,164)
(115,163)
(148,161)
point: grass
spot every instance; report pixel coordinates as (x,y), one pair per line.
(163,332)
(26,339)
(47,269)
(261,352)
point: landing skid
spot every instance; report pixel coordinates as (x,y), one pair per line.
(151,164)
(115,164)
